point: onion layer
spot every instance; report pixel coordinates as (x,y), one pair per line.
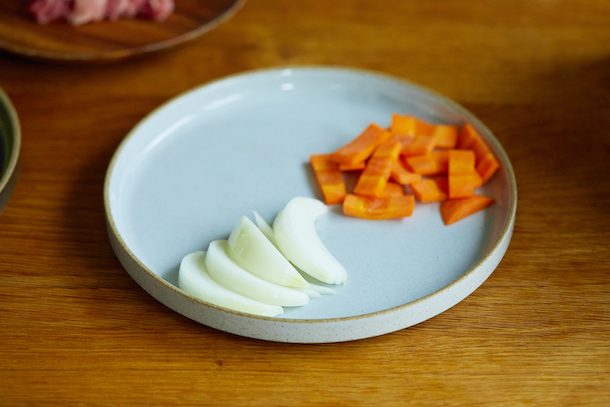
(194,279)
(297,239)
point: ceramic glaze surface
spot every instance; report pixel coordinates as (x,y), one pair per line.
(188,172)
(10,148)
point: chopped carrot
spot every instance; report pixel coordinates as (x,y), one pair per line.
(454,210)
(461,186)
(467,135)
(421,145)
(378,208)
(431,190)
(435,163)
(445,136)
(477,181)
(375,175)
(487,166)
(393,189)
(410,126)
(401,174)
(329,178)
(360,148)
(405,140)
(461,168)
(461,162)
(486,163)
(352,167)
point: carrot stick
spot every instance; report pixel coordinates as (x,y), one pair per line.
(329,178)
(461,168)
(487,166)
(378,208)
(445,136)
(435,163)
(421,145)
(454,210)
(410,126)
(360,148)
(461,162)
(486,163)
(477,181)
(402,175)
(353,167)
(393,189)
(375,175)
(431,190)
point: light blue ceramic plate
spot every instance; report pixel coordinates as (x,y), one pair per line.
(186,174)
(10,147)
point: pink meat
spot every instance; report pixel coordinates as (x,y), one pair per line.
(86,11)
(124,8)
(158,10)
(78,12)
(46,11)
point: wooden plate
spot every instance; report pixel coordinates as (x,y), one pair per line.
(59,41)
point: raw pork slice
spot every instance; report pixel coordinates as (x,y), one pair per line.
(78,12)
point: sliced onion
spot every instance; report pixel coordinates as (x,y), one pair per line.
(297,239)
(229,274)
(194,279)
(265,228)
(321,289)
(249,247)
(310,293)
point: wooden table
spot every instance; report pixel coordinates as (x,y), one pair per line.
(77,330)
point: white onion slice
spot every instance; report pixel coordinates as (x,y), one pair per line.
(297,239)
(321,289)
(249,247)
(265,228)
(310,293)
(194,279)
(229,274)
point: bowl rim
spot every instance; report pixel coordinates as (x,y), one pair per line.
(8,174)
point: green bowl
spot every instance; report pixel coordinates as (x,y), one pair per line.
(10,146)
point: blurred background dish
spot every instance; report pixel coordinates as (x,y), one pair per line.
(108,40)
(10,145)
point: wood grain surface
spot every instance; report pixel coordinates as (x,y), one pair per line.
(77,331)
(107,40)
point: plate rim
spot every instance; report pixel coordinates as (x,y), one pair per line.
(84,57)
(503,238)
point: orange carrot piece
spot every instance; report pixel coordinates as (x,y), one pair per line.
(461,162)
(360,148)
(435,163)
(378,208)
(467,135)
(461,186)
(445,136)
(487,166)
(431,190)
(477,181)
(421,145)
(454,210)
(393,189)
(405,140)
(352,167)
(329,178)
(401,174)
(375,175)
(461,168)
(486,163)
(410,126)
